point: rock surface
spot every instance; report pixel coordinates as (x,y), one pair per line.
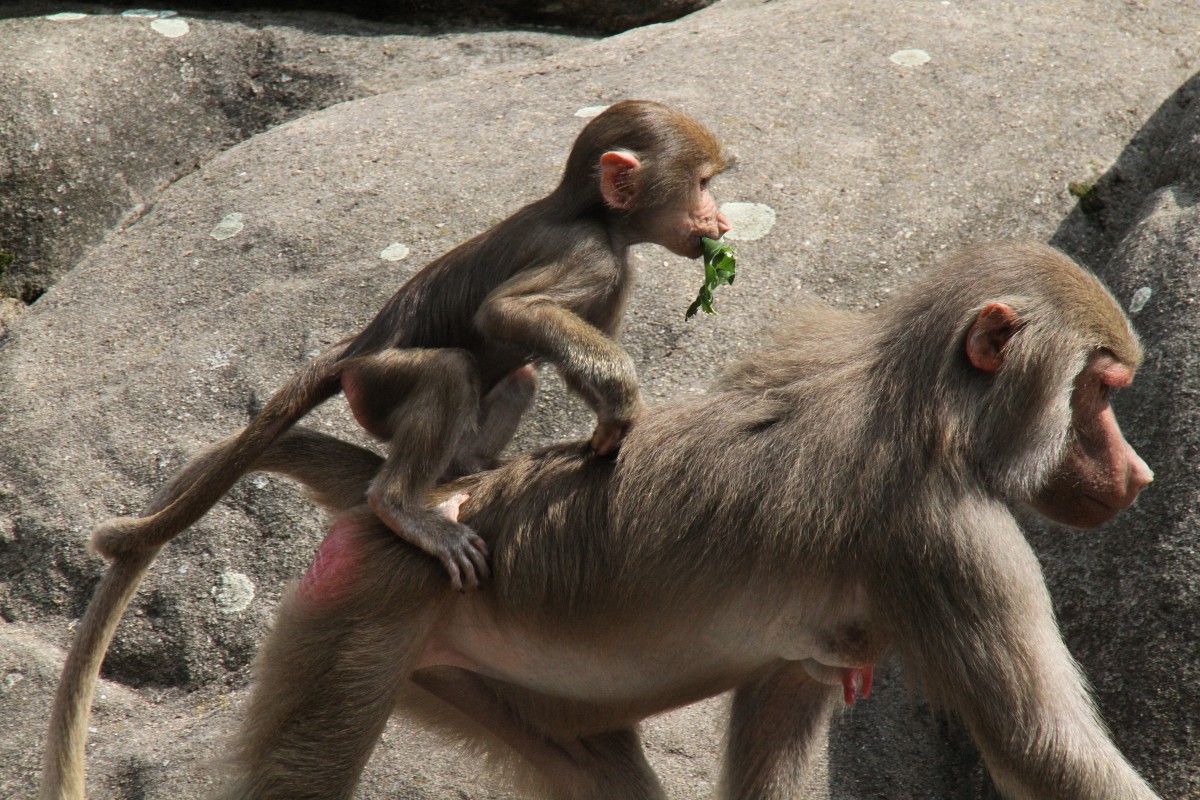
(611,16)
(1065,121)
(103,111)
(1143,237)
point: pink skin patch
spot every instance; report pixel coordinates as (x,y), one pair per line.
(857,681)
(334,567)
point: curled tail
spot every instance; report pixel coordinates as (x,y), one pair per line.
(206,479)
(62,767)
(131,543)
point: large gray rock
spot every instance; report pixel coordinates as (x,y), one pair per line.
(1137,590)
(165,336)
(103,111)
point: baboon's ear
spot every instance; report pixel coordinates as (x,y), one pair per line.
(617,186)
(988,336)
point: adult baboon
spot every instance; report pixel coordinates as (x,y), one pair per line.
(842,493)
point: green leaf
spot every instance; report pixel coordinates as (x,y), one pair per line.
(713,247)
(719,268)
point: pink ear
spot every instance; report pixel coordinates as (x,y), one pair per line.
(616,178)
(988,335)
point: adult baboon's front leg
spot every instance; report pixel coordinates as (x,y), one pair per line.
(776,726)
(1016,687)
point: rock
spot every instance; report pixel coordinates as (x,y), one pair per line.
(1144,573)
(102,111)
(609,17)
(163,337)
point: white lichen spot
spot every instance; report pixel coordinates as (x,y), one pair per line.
(260,481)
(219,359)
(394,252)
(172,27)
(590,111)
(1140,298)
(12,679)
(910,58)
(748,221)
(234,593)
(229,227)
(66,16)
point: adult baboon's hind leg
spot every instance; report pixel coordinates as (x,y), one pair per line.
(599,767)
(329,674)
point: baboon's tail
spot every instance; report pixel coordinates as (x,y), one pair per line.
(335,473)
(131,543)
(62,767)
(207,478)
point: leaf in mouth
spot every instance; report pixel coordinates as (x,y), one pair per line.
(719,268)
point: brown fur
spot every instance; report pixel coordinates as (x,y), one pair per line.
(444,371)
(842,493)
